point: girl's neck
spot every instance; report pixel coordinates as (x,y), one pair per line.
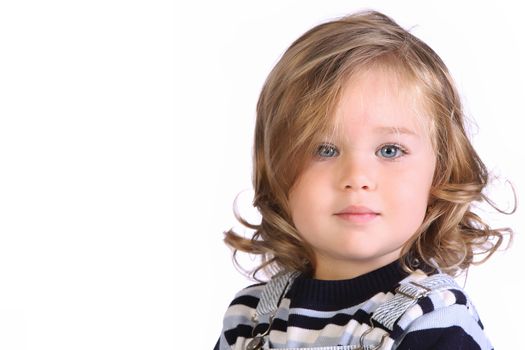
(344,269)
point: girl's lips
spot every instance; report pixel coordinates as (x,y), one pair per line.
(357,209)
(357,218)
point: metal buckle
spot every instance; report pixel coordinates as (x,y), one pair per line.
(365,333)
(414,293)
(258,341)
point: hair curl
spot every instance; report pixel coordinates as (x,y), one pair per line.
(296,105)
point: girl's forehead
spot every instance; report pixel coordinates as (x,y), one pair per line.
(382,101)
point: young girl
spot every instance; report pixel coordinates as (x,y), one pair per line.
(364,178)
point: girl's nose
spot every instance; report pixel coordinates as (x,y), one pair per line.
(357,173)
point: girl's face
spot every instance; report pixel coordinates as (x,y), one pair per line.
(362,196)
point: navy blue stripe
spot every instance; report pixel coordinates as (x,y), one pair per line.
(426,305)
(318,323)
(260,329)
(239,331)
(279,325)
(396,332)
(460,297)
(246,300)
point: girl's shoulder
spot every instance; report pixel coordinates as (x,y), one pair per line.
(432,295)
(444,318)
(455,326)
(243,305)
(238,318)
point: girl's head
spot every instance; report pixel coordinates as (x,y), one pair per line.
(365,189)
(359,112)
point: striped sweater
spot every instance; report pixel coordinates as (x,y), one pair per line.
(334,314)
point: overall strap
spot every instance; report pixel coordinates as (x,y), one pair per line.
(273,292)
(407,295)
(271,296)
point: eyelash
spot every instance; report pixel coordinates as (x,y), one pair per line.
(334,148)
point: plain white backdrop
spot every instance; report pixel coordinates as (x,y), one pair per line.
(126,133)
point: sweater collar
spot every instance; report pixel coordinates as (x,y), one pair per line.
(308,292)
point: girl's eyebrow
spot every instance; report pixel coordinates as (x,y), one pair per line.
(395,130)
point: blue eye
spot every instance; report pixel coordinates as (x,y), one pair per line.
(391,151)
(327,151)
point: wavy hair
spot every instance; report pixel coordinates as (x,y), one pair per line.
(296,105)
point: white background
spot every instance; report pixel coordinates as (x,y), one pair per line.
(126,133)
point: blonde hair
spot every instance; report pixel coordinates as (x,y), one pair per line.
(296,106)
